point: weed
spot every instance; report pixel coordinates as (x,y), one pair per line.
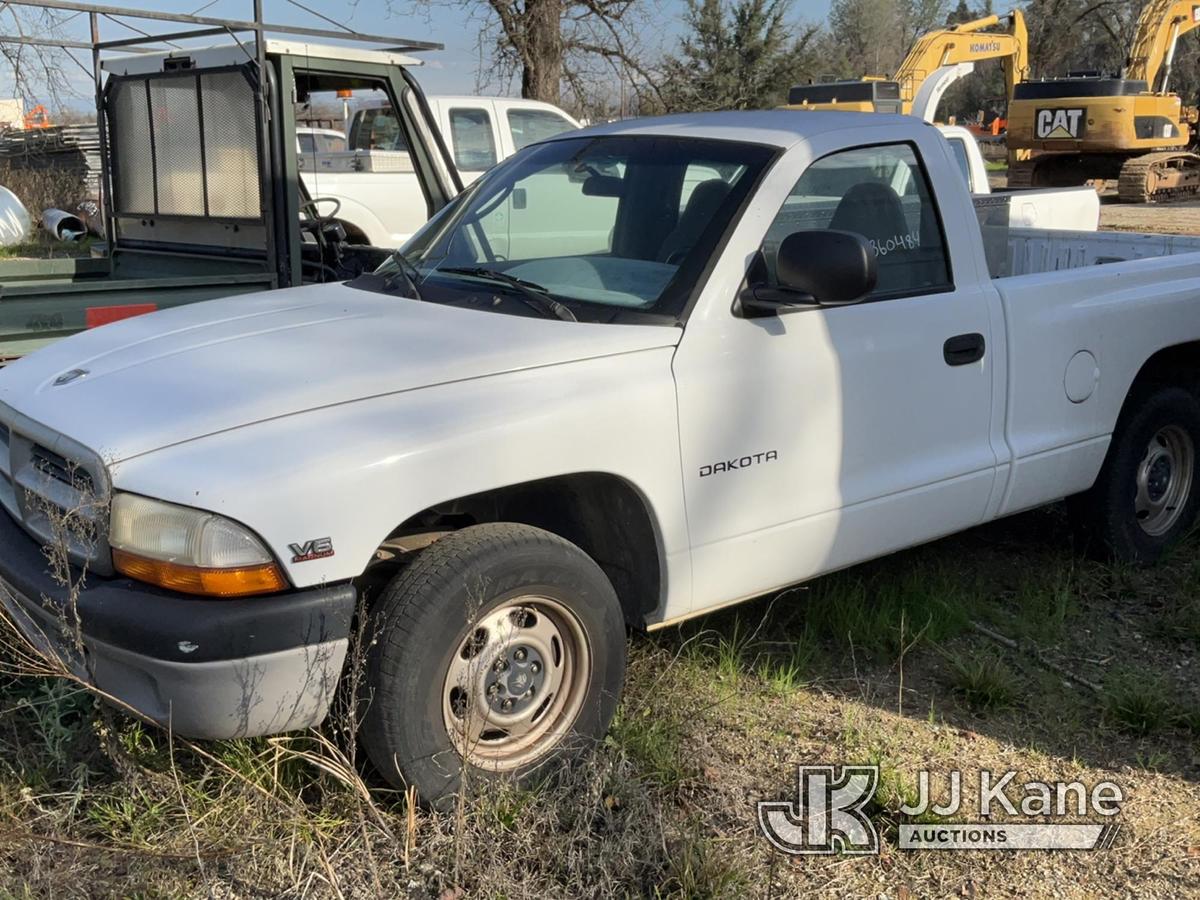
(1045,601)
(133,819)
(731,654)
(886,612)
(652,743)
(785,674)
(983,680)
(41,189)
(892,792)
(1189,720)
(1137,704)
(1155,761)
(1180,619)
(55,715)
(696,870)
(41,246)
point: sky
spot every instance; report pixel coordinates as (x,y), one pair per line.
(453,70)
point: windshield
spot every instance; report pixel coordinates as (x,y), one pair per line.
(601,225)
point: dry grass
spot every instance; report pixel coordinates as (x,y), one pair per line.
(41,189)
(717,715)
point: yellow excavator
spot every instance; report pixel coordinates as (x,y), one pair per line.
(1128,127)
(937,59)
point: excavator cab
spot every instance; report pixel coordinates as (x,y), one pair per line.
(867,95)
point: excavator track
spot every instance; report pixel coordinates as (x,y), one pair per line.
(1163,177)
(1020,175)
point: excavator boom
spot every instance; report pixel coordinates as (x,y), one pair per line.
(968,42)
(1161,24)
(935,61)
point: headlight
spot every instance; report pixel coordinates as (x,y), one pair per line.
(189,550)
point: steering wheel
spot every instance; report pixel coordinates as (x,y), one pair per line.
(314,218)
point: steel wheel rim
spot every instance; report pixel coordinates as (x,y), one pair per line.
(1164,480)
(516,683)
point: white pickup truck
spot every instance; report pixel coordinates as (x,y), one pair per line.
(371,187)
(513,442)
(1069,208)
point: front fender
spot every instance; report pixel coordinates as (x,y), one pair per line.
(353,472)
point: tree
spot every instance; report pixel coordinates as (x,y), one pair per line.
(30,72)
(584,46)
(742,57)
(1095,35)
(1066,35)
(870,36)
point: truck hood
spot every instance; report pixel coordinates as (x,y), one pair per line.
(173,376)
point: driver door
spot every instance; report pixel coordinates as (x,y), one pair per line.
(825,436)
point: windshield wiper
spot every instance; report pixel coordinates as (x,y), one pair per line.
(406,271)
(533,294)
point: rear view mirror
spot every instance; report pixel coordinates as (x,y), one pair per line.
(833,267)
(598,185)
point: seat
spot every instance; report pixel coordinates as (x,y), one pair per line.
(872,210)
(702,206)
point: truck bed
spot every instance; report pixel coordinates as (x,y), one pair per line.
(42,301)
(1083,312)
(1013,252)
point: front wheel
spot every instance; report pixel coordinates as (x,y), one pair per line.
(1147,495)
(499,651)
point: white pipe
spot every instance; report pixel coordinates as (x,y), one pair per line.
(62,225)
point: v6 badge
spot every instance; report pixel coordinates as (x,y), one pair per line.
(310,550)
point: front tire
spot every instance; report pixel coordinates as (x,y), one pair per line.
(1148,492)
(500,651)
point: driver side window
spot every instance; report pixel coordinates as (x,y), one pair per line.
(882,194)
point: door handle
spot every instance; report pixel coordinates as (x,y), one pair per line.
(963,349)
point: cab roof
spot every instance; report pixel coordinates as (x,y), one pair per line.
(237,54)
(773,127)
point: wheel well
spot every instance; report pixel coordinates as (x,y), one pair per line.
(602,514)
(1177,365)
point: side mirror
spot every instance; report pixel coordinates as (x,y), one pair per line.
(816,268)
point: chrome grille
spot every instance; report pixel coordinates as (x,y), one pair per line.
(43,477)
(59,468)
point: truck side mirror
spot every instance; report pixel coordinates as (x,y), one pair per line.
(815,268)
(834,267)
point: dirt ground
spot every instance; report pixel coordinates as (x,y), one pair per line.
(1171,218)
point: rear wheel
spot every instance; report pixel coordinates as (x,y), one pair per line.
(1146,496)
(500,652)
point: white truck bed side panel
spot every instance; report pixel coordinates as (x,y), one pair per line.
(1032,250)
(1121,314)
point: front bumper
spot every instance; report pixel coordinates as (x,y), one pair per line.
(205,668)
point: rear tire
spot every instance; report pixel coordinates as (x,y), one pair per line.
(499,652)
(1148,491)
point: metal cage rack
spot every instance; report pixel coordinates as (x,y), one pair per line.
(214,140)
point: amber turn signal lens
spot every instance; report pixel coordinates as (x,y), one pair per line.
(246,582)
